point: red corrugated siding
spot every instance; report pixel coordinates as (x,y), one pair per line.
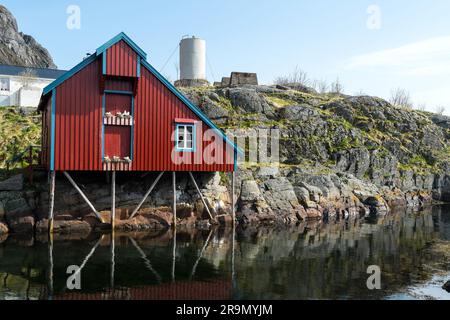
(121,60)
(79,121)
(78,132)
(156,109)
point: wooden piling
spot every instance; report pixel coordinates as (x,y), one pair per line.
(50,269)
(174,185)
(51,202)
(233,200)
(97,214)
(113,201)
(146,195)
(113,261)
(201,195)
(174,253)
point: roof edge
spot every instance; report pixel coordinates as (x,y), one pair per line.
(69,74)
(119,37)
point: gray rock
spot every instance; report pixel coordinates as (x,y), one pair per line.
(298,112)
(249,101)
(3,229)
(14,183)
(19,216)
(20,49)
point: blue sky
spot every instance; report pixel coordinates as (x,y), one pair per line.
(326,38)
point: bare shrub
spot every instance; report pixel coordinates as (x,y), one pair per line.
(320,86)
(297,76)
(401,98)
(440,110)
(337,87)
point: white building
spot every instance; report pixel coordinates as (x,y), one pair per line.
(22,86)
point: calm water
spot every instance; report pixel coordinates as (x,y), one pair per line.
(309,261)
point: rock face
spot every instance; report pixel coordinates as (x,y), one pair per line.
(20,49)
(14,183)
(339,157)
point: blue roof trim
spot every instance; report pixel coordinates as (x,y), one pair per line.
(52,131)
(191,106)
(124,37)
(69,74)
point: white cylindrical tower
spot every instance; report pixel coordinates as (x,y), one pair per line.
(192,59)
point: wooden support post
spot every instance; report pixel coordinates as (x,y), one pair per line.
(146,195)
(174,253)
(97,214)
(174,185)
(233,245)
(147,262)
(113,261)
(51,202)
(50,269)
(194,268)
(86,259)
(113,201)
(201,195)
(233,200)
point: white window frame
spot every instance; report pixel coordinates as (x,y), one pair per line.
(182,128)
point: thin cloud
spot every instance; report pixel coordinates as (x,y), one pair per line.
(427,57)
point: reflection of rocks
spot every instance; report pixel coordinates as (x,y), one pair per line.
(341,251)
(446,286)
(3,229)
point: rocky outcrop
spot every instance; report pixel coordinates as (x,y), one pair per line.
(340,157)
(17,48)
(14,183)
(26,211)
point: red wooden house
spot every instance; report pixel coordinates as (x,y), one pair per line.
(114,112)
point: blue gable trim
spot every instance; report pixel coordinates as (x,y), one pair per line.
(190,105)
(52,130)
(124,37)
(121,36)
(69,74)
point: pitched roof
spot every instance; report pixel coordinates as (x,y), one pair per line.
(149,67)
(43,73)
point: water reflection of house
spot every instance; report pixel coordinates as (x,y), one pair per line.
(194,290)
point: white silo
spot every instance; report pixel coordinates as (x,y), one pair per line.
(192,59)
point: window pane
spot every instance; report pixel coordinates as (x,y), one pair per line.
(185,137)
(4,84)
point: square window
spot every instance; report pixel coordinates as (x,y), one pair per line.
(185,137)
(4,84)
